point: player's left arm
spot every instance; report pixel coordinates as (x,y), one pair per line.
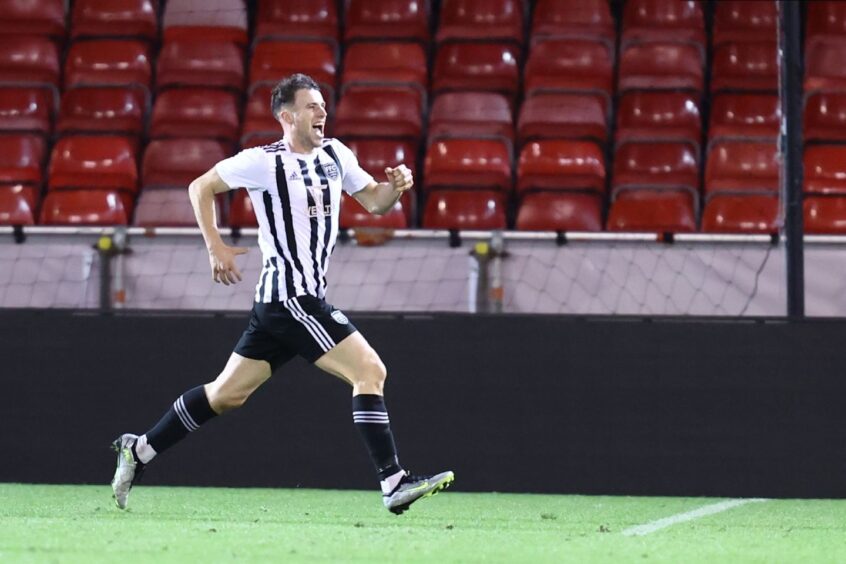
(380,197)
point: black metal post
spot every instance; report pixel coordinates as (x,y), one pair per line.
(790,37)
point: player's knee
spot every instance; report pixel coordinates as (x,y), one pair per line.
(372,371)
(222,401)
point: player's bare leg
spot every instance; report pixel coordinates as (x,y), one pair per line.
(239,379)
(355,361)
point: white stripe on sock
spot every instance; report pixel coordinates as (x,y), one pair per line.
(181,401)
(178,409)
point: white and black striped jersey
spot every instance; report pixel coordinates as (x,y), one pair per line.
(296,198)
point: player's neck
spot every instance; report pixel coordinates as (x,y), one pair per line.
(298,147)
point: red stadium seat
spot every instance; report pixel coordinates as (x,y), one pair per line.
(465,209)
(32,60)
(168,208)
(175,163)
(15,207)
(490,67)
(563,116)
(241,212)
(663,21)
(379,112)
(741,20)
(259,124)
(825,117)
(559,211)
(471,114)
(21,157)
(196,62)
(824,69)
(374,155)
(824,169)
(34,18)
(196,112)
(825,23)
(106,62)
(745,66)
(661,66)
(825,215)
(748,213)
(406,20)
(655,211)
(102,162)
(110,18)
(659,116)
(354,215)
(585,19)
(210,20)
(274,60)
(84,207)
(29,192)
(735,166)
(25,110)
(102,110)
(569,64)
(561,165)
(656,165)
(467,163)
(744,115)
(297,19)
(377,62)
(486,20)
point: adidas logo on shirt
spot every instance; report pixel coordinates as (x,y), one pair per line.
(294,176)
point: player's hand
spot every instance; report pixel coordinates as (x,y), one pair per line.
(399,178)
(222,261)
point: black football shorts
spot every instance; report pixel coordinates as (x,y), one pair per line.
(304,325)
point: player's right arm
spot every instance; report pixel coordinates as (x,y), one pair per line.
(202,192)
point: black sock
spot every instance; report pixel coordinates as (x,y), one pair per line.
(371,419)
(188,412)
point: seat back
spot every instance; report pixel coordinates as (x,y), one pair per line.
(742,166)
(211,20)
(561,165)
(464,209)
(175,163)
(110,18)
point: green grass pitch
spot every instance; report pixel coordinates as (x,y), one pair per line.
(41,523)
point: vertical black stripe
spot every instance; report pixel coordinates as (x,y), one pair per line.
(331,152)
(312,218)
(327,223)
(274,290)
(263,281)
(290,237)
(268,208)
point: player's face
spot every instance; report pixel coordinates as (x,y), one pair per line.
(309,118)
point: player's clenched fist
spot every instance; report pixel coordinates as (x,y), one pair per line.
(400,178)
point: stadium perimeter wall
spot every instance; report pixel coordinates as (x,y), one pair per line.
(668,406)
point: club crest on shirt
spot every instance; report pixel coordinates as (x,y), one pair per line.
(331,170)
(339,316)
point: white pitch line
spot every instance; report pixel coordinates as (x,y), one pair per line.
(652,526)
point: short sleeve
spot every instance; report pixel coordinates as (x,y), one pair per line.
(355,178)
(246,169)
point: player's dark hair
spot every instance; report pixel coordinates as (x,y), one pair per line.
(284,92)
